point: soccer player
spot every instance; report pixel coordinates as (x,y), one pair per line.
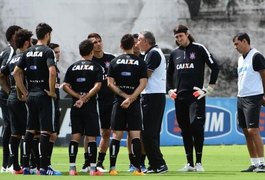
(127,77)
(57,52)
(137,52)
(251,88)
(82,82)
(38,65)
(185,79)
(5,56)
(17,108)
(105,102)
(153,101)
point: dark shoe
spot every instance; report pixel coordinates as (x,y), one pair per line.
(150,170)
(162,169)
(249,169)
(260,169)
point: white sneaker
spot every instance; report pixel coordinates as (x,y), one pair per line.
(187,168)
(3,170)
(199,167)
(85,169)
(10,169)
(101,169)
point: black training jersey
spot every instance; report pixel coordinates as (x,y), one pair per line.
(9,67)
(186,67)
(83,75)
(37,60)
(127,70)
(104,92)
(5,56)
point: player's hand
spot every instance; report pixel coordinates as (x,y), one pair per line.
(52,94)
(172,94)
(79,103)
(22,97)
(200,93)
(127,102)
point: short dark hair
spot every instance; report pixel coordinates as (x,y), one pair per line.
(127,41)
(242,35)
(94,35)
(180,29)
(53,45)
(135,36)
(42,29)
(11,30)
(86,47)
(34,41)
(21,36)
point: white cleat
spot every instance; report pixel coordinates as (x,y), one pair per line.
(85,169)
(199,167)
(187,168)
(101,169)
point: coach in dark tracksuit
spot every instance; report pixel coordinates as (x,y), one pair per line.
(185,78)
(153,101)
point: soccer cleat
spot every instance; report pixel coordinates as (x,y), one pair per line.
(3,170)
(34,171)
(162,169)
(187,168)
(72,172)
(138,173)
(249,169)
(131,168)
(51,171)
(96,173)
(26,171)
(102,169)
(17,171)
(149,170)
(199,168)
(143,168)
(85,169)
(10,169)
(113,172)
(260,169)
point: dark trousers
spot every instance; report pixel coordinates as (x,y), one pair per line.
(7,128)
(153,106)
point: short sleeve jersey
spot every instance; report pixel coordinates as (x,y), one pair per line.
(36,62)
(83,75)
(9,68)
(104,92)
(127,70)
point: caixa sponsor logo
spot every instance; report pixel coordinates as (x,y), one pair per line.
(218,123)
(261,124)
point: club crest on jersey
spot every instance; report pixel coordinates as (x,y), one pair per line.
(34,54)
(128,61)
(192,56)
(107,64)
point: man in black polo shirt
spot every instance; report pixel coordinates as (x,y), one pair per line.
(39,62)
(83,81)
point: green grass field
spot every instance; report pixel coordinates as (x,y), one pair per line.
(220,162)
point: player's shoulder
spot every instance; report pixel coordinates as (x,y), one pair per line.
(108,56)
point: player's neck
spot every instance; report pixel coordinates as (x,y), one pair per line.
(98,54)
(130,51)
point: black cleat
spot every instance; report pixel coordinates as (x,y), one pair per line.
(249,169)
